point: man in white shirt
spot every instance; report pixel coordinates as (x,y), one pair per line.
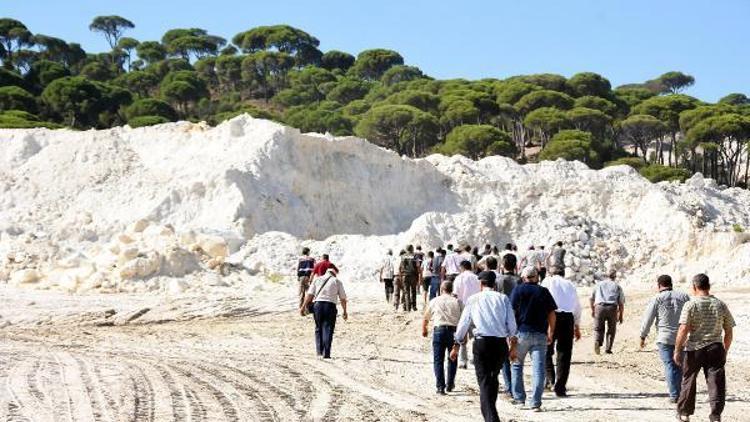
(491,315)
(568,317)
(465,286)
(451,265)
(387,274)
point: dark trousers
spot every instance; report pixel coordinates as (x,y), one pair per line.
(489,355)
(542,273)
(605,313)
(388,289)
(399,293)
(325,321)
(711,360)
(562,342)
(442,341)
(410,292)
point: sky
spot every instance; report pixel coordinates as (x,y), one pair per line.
(627,41)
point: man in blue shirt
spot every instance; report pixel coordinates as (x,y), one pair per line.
(494,332)
(535,315)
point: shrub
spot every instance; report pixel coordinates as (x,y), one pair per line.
(141,121)
(658,173)
(635,162)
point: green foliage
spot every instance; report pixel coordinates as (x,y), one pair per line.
(544,98)
(372,64)
(184,42)
(666,108)
(658,173)
(597,103)
(476,141)
(547,120)
(424,101)
(673,82)
(42,72)
(8,77)
(16,98)
(402,128)
(141,121)
(13,36)
(97,71)
(548,81)
(151,51)
(635,162)
(18,119)
(737,228)
(571,145)
(324,117)
(265,72)
(74,98)
(335,59)
(735,99)
(640,130)
(589,84)
(112,27)
(589,120)
(401,73)
(183,87)
(150,107)
(348,90)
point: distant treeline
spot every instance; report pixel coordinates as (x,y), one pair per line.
(278,72)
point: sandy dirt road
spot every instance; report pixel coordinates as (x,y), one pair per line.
(250,364)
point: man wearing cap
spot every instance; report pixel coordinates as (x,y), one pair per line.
(607,306)
(567,321)
(491,315)
(534,307)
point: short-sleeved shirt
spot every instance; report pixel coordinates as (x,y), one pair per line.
(532,303)
(708,317)
(466,285)
(305,265)
(444,310)
(608,292)
(387,267)
(321,267)
(451,263)
(437,262)
(330,292)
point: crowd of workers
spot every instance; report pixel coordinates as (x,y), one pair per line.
(509,308)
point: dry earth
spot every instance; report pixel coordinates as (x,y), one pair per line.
(121,358)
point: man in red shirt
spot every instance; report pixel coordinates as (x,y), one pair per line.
(323,266)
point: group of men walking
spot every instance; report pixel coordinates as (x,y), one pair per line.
(509,316)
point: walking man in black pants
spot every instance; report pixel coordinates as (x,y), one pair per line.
(568,318)
(701,324)
(494,322)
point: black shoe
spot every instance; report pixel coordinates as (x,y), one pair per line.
(440,392)
(561,394)
(450,388)
(609,352)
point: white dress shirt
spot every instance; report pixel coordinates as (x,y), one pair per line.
(451,263)
(490,313)
(565,295)
(466,285)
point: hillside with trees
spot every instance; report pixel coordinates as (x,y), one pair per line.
(278,72)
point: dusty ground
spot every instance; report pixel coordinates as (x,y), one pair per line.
(181,362)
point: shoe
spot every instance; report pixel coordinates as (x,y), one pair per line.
(440,392)
(683,418)
(609,352)
(515,402)
(536,409)
(597,348)
(714,418)
(561,394)
(450,388)
(672,400)
(463,366)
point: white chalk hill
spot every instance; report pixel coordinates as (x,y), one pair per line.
(184,206)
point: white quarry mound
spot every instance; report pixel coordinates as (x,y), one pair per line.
(183,206)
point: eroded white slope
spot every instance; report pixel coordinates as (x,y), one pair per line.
(161,208)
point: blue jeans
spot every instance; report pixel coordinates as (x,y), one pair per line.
(534,344)
(442,341)
(324,314)
(507,381)
(672,372)
(434,287)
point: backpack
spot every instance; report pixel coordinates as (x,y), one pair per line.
(409,265)
(305,266)
(558,256)
(509,282)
